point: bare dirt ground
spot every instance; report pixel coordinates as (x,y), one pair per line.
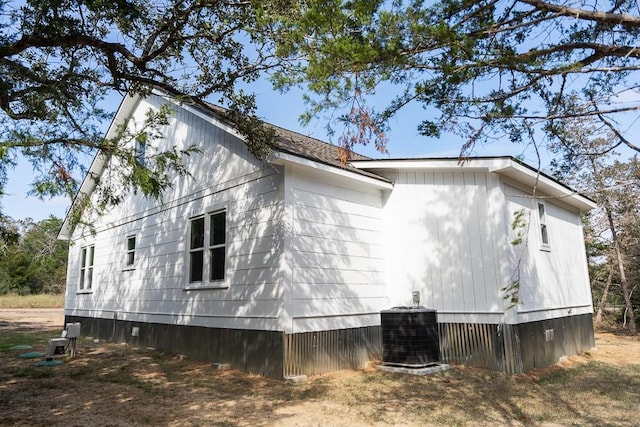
(30,319)
(109,384)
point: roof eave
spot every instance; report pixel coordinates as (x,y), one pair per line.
(546,185)
(97,165)
(504,166)
(281,158)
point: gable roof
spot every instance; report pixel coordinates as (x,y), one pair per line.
(505,166)
(295,147)
(302,146)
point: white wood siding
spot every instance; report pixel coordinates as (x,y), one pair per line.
(225,175)
(335,253)
(553,282)
(445,237)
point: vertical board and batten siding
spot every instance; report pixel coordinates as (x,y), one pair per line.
(554,282)
(445,237)
(336,253)
(225,175)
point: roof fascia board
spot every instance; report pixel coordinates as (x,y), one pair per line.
(506,166)
(415,164)
(280,158)
(553,188)
(97,165)
(128,104)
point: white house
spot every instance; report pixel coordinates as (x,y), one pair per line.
(282,266)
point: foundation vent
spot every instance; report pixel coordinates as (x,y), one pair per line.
(549,335)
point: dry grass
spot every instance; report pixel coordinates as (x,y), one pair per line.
(117,385)
(32,301)
(113,384)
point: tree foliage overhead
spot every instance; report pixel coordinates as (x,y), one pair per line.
(60,58)
(483,69)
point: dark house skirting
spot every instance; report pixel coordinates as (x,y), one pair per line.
(258,352)
(269,353)
(313,353)
(516,348)
(509,348)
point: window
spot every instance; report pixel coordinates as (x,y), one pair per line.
(140,152)
(86,268)
(209,261)
(217,243)
(130,256)
(196,257)
(544,231)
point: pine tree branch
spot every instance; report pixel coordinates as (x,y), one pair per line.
(587,15)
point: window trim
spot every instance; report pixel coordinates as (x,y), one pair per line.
(196,247)
(206,282)
(213,245)
(543,227)
(87,267)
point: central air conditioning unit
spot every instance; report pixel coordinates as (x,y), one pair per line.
(410,337)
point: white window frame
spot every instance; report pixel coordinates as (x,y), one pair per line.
(130,258)
(543,227)
(87,266)
(204,248)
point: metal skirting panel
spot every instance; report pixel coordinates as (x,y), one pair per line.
(247,350)
(545,342)
(503,347)
(515,348)
(313,353)
(472,344)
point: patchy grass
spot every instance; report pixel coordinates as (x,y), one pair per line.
(9,339)
(32,301)
(112,384)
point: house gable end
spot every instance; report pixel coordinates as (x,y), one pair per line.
(184,116)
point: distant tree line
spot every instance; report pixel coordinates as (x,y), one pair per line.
(32,259)
(597,167)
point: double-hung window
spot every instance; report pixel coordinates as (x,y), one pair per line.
(544,230)
(130,255)
(208,248)
(86,268)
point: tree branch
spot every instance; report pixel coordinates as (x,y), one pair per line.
(596,16)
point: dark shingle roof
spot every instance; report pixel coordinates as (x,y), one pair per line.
(304,146)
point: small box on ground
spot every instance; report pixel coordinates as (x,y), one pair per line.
(56,346)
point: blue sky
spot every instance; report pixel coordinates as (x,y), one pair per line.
(282,110)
